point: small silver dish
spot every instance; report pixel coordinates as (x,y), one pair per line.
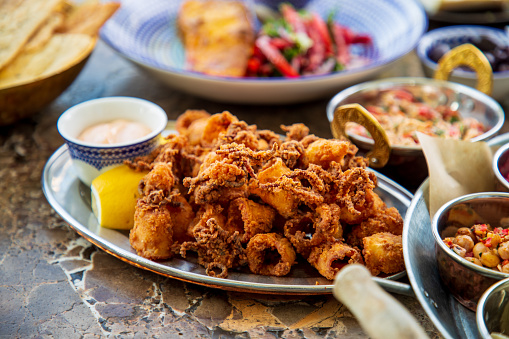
(500,167)
(492,316)
(407,164)
(465,280)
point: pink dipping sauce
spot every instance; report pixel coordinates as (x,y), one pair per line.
(113,132)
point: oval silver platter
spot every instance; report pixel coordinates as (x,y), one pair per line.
(452,319)
(71,200)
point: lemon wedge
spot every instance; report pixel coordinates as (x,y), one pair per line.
(114,195)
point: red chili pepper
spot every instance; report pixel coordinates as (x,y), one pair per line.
(318,24)
(487,242)
(361,39)
(253,65)
(281,43)
(293,18)
(425,112)
(404,95)
(342,50)
(316,53)
(275,57)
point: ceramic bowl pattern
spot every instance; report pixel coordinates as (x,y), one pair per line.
(465,280)
(145,33)
(457,35)
(90,160)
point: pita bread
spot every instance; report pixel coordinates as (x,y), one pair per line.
(61,52)
(18,22)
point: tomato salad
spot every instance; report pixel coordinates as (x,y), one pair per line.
(402,114)
(302,43)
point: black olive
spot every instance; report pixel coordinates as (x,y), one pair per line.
(486,44)
(438,51)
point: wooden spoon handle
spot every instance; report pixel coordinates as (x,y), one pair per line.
(380,315)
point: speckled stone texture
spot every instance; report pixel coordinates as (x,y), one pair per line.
(55,284)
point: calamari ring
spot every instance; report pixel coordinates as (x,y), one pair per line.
(270,254)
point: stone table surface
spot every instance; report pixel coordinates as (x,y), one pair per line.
(55,284)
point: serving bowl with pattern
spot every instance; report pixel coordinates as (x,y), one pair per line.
(146,34)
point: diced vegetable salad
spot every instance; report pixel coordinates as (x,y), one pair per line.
(302,43)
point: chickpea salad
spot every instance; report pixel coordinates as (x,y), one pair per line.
(482,245)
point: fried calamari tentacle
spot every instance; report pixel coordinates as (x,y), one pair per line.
(267,139)
(383,253)
(302,185)
(314,228)
(353,196)
(249,218)
(329,258)
(206,212)
(152,234)
(385,220)
(295,132)
(270,254)
(221,181)
(240,133)
(351,160)
(293,154)
(217,246)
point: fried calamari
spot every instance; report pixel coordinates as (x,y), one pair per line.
(237,196)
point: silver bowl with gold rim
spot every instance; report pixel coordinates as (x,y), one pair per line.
(407,164)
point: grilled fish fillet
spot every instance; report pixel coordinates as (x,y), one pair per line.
(218,36)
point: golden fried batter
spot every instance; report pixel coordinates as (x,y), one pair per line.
(238,196)
(329,258)
(216,248)
(270,254)
(386,220)
(383,253)
(152,234)
(249,218)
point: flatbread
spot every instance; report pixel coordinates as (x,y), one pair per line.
(59,53)
(88,17)
(18,21)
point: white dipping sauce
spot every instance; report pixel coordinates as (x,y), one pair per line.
(113,132)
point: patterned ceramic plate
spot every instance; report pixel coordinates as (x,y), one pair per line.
(71,200)
(145,33)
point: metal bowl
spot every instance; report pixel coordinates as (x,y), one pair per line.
(407,164)
(500,167)
(465,280)
(493,310)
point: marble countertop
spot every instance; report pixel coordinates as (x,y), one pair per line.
(53,283)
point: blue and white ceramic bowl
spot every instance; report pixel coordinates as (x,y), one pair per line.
(91,160)
(145,33)
(457,35)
